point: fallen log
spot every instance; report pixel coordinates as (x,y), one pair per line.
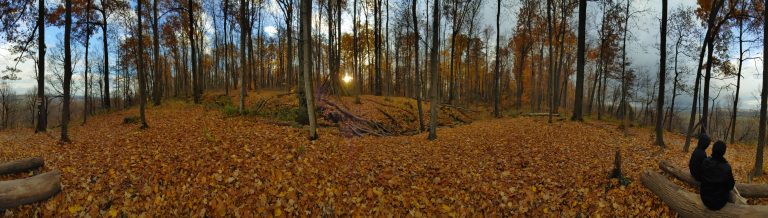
(688,204)
(18,192)
(372,127)
(539,114)
(746,190)
(21,165)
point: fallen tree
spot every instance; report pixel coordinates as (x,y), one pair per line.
(539,114)
(22,165)
(18,192)
(746,190)
(688,204)
(352,123)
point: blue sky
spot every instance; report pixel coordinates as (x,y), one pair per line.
(643,49)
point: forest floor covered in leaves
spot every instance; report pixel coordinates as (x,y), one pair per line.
(200,161)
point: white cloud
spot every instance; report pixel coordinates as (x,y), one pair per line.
(271,30)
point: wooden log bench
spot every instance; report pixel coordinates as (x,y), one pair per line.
(746,190)
(21,165)
(18,192)
(688,204)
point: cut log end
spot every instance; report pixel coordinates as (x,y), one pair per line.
(20,166)
(29,190)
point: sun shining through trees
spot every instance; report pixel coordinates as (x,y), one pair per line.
(534,108)
(347,79)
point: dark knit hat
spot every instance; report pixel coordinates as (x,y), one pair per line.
(718,150)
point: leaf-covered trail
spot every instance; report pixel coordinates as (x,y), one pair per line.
(197,162)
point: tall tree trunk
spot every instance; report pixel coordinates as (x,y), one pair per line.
(226,48)
(106,101)
(306,65)
(216,51)
(435,98)
(454,32)
(388,78)
(709,36)
(156,54)
(578,104)
(140,69)
(416,65)
(662,77)
(377,47)
(758,170)
(674,89)
(67,72)
(496,74)
(332,75)
(42,120)
(193,48)
(549,63)
(356,57)
(624,86)
(249,40)
(707,77)
(738,78)
(87,68)
(243,59)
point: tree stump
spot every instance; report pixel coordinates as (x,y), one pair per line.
(22,165)
(688,204)
(18,192)
(616,172)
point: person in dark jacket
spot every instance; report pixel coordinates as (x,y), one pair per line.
(698,156)
(716,178)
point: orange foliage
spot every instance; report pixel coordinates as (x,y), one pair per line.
(196,162)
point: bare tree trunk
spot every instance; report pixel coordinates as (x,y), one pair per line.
(707,38)
(549,63)
(738,78)
(674,88)
(356,57)
(193,48)
(578,103)
(226,49)
(87,68)
(496,112)
(707,77)
(624,86)
(306,59)
(377,47)
(662,77)
(243,59)
(42,124)
(140,69)
(416,64)
(156,53)
(435,99)
(758,170)
(67,72)
(107,99)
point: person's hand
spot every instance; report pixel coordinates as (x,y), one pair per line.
(704,138)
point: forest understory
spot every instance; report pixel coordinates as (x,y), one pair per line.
(203,160)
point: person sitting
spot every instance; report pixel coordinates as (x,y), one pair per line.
(717,179)
(698,156)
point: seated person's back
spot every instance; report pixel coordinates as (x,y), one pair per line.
(698,156)
(716,178)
